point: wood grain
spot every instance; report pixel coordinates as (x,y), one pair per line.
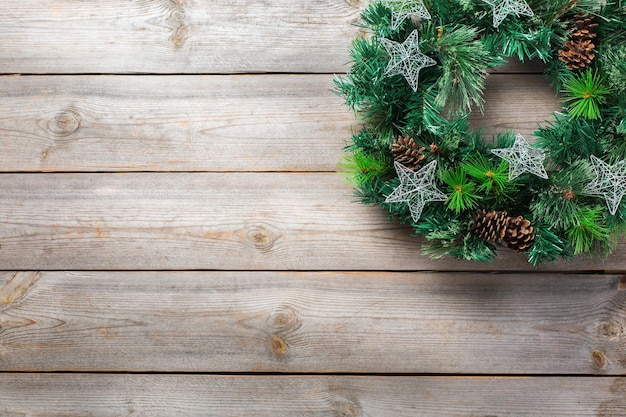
(208,123)
(176,36)
(308,396)
(517,102)
(171,123)
(455,323)
(222,221)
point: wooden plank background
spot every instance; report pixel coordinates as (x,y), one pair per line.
(175,239)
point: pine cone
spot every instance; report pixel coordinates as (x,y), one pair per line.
(490,226)
(578,51)
(585,22)
(577,54)
(519,234)
(406,152)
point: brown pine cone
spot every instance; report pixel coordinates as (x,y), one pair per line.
(519,234)
(408,153)
(490,226)
(583,21)
(577,54)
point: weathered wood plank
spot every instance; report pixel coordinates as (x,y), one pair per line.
(173,123)
(207,123)
(515,66)
(176,36)
(312,322)
(212,221)
(308,396)
(518,102)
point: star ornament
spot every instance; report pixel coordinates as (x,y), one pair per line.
(503,8)
(610,182)
(401,9)
(406,59)
(416,188)
(523,158)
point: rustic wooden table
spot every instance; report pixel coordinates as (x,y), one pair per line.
(175,240)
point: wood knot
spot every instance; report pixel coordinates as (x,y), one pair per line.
(279,345)
(261,238)
(599,360)
(611,329)
(179,37)
(354,3)
(285,320)
(176,21)
(17,288)
(64,123)
(349,410)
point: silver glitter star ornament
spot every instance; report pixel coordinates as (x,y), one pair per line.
(401,9)
(416,188)
(610,182)
(503,8)
(406,59)
(523,158)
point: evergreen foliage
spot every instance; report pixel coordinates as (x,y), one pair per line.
(460,36)
(585,93)
(461,195)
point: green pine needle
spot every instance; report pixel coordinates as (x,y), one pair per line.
(489,177)
(464,60)
(547,247)
(475,249)
(585,93)
(363,168)
(461,194)
(613,61)
(568,140)
(589,229)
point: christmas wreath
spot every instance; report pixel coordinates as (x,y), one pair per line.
(414,80)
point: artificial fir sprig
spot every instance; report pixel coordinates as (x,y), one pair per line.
(613,61)
(590,229)
(559,205)
(567,140)
(585,93)
(492,179)
(464,60)
(461,192)
(363,168)
(548,246)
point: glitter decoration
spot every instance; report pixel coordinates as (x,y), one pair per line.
(401,9)
(610,182)
(416,188)
(522,157)
(406,59)
(503,8)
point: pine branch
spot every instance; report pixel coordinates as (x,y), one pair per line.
(589,229)
(569,140)
(547,247)
(465,61)
(461,195)
(585,93)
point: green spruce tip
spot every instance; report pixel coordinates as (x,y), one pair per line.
(568,218)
